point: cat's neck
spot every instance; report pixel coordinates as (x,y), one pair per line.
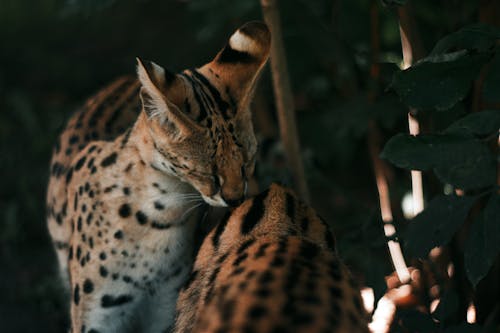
(174,193)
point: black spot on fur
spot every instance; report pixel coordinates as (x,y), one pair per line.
(103,271)
(261,250)
(161,226)
(254,214)
(69,175)
(73,139)
(190,280)
(266,277)
(108,301)
(309,250)
(245,245)
(118,234)
(257,312)
(278,261)
(76,294)
(80,163)
(263,292)
(78,252)
(124,210)
(158,205)
(109,160)
(88,286)
(220,228)
(141,217)
(240,259)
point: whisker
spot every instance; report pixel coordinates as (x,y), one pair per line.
(190,209)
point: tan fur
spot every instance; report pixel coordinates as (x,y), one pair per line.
(270,266)
(123,205)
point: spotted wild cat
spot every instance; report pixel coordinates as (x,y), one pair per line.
(270,266)
(123,203)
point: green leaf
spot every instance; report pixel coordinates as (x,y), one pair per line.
(483,243)
(422,152)
(448,306)
(472,172)
(476,264)
(481,123)
(436,225)
(474,37)
(462,161)
(492,224)
(438,82)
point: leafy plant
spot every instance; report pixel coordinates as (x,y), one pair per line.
(460,155)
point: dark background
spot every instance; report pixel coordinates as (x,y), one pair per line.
(54,54)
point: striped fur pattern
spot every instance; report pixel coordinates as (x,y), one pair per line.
(270,266)
(131,174)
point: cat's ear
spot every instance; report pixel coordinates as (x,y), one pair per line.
(239,63)
(155,81)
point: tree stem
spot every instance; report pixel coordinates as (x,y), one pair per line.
(284,98)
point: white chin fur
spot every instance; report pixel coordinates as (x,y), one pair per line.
(215,200)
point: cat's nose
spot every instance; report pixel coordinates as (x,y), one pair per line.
(234,202)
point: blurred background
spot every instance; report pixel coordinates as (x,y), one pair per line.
(56,53)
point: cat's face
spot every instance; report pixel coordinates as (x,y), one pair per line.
(200,121)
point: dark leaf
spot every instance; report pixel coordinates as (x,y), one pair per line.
(477,37)
(459,160)
(421,152)
(418,322)
(375,278)
(436,225)
(492,223)
(481,123)
(476,264)
(472,172)
(438,82)
(483,243)
(448,306)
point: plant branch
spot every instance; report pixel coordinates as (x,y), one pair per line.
(284,97)
(412,51)
(379,166)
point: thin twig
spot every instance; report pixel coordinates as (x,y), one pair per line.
(374,146)
(412,51)
(284,97)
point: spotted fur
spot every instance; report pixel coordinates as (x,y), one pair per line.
(130,175)
(270,266)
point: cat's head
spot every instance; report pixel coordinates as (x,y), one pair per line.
(200,119)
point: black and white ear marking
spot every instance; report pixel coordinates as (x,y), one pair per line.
(248,44)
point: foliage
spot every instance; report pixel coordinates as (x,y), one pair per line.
(56,53)
(460,156)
